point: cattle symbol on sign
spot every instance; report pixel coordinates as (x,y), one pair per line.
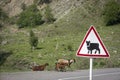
(92,45)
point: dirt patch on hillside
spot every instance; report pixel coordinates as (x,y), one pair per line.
(13,7)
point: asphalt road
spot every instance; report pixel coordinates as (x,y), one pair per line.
(98,74)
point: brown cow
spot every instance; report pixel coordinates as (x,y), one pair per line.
(60,67)
(66,62)
(39,67)
(61,63)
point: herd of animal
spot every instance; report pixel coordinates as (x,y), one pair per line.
(59,65)
(62,63)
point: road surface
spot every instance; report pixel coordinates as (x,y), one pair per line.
(98,74)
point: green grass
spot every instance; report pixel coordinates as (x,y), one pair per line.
(51,48)
(60,40)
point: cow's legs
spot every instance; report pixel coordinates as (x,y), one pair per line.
(95,51)
(99,51)
(91,51)
(88,51)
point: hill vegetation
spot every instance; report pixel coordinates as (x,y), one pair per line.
(112,13)
(29,17)
(61,38)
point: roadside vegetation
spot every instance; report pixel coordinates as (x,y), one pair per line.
(112,13)
(51,39)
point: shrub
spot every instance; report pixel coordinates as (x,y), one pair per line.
(1,25)
(1,39)
(45,1)
(23,6)
(33,40)
(30,17)
(3,15)
(39,2)
(13,19)
(48,16)
(70,47)
(3,18)
(112,13)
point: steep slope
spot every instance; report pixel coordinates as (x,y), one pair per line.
(62,7)
(80,15)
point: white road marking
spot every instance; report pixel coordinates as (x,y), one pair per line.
(88,76)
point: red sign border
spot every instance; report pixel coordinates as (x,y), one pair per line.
(91,55)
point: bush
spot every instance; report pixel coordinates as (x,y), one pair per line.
(3,18)
(45,1)
(23,6)
(48,16)
(3,15)
(1,25)
(39,2)
(13,20)
(33,40)
(70,47)
(1,39)
(4,55)
(30,17)
(112,13)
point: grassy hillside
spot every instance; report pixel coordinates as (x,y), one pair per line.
(60,39)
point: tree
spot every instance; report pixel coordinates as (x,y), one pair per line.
(112,13)
(33,40)
(30,17)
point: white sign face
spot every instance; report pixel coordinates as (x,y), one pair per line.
(92,45)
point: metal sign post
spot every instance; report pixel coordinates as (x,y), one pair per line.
(90,71)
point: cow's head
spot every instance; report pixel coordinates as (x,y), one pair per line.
(88,43)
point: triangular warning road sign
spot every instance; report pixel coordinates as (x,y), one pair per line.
(92,45)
